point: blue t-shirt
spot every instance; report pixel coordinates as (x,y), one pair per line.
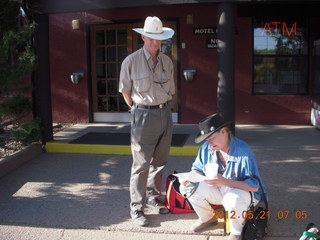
(241,164)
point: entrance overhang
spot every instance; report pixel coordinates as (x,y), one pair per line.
(63,6)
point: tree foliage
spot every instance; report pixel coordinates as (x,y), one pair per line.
(17,61)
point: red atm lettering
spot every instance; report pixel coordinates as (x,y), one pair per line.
(277,27)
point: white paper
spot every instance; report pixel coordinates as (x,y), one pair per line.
(190,176)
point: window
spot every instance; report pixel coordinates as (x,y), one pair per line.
(280,57)
(109,45)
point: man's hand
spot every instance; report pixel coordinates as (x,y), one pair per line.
(219,181)
(128,99)
(184,183)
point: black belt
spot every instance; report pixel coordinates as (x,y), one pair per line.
(162,105)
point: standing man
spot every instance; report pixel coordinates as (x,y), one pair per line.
(147,85)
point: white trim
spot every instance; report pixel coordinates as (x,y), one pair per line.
(315,117)
(99,117)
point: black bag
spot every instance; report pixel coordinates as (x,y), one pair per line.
(256,226)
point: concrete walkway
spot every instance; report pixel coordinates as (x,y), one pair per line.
(86,196)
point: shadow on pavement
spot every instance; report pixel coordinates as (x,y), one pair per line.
(91,191)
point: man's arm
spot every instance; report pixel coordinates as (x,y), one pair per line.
(221,181)
(128,99)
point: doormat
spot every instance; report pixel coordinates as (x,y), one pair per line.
(101,138)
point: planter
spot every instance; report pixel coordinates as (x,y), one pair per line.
(15,160)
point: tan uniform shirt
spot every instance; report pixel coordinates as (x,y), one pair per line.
(148,84)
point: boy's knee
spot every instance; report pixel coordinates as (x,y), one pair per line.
(236,197)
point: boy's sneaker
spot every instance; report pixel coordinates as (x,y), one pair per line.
(139,218)
(199,226)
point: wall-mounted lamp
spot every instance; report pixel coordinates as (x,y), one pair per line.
(190,18)
(75,24)
(76,76)
(189,74)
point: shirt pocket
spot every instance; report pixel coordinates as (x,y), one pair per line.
(141,83)
(166,81)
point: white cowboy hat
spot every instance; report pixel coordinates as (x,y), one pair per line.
(153,29)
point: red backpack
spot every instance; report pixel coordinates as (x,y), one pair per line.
(175,201)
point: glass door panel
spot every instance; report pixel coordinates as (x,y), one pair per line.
(109,48)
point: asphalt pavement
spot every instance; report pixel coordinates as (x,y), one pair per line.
(62,195)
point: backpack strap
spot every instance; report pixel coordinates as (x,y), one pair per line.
(251,206)
(263,194)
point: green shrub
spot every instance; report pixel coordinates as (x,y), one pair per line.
(28,132)
(15,107)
